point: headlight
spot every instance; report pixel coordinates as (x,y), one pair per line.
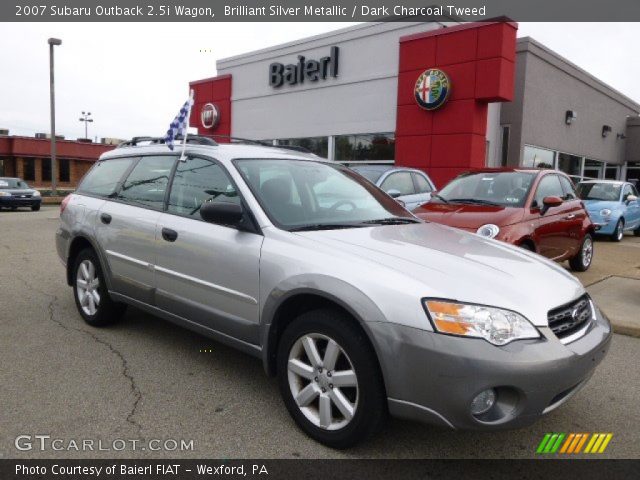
(495,325)
(489,230)
(36,193)
(5,194)
(605,212)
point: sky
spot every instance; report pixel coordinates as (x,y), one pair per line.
(133,77)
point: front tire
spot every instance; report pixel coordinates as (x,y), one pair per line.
(582,261)
(90,293)
(35,208)
(618,232)
(329,378)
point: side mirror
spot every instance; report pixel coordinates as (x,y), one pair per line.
(222,213)
(393,193)
(549,202)
(630,198)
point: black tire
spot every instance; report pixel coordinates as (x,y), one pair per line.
(369,397)
(528,247)
(618,232)
(35,208)
(636,232)
(582,261)
(106,310)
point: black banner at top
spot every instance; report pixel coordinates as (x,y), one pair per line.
(316,10)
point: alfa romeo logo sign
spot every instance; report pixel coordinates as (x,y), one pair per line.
(209,115)
(432,89)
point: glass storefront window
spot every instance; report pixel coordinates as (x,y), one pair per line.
(593,169)
(29,169)
(535,157)
(366,147)
(611,173)
(571,165)
(317,145)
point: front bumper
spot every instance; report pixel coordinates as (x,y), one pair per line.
(8,202)
(433,378)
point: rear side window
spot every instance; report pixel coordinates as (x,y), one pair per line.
(400,181)
(422,183)
(197,181)
(102,180)
(147,183)
(549,186)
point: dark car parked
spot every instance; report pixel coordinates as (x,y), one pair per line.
(535,209)
(14,193)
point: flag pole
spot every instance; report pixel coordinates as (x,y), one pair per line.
(184,140)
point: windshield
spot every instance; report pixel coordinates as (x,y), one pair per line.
(599,191)
(12,183)
(506,189)
(307,195)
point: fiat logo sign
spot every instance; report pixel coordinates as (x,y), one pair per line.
(210,115)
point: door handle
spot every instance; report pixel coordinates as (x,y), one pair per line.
(570,217)
(169,235)
(105,218)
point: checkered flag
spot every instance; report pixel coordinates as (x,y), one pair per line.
(180,124)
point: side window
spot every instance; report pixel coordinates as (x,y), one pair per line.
(634,191)
(569,189)
(103,179)
(400,181)
(197,181)
(626,192)
(549,186)
(422,183)
(147,183)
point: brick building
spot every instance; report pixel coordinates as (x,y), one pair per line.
(30,159)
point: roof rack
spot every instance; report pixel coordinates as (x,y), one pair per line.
(191,139)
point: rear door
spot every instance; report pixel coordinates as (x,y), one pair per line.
(126,226)
(549,232)
(207,273)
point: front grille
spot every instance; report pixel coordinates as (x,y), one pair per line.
(568,319)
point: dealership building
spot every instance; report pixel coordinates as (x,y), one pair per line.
(442,97)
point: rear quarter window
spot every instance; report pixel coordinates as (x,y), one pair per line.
(103,179)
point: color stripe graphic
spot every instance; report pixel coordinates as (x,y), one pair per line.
(573,443)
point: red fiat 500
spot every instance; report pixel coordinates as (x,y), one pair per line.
(535,209)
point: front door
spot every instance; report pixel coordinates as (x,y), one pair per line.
(207,273)
(550,234)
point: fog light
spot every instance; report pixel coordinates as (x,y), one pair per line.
(483,402)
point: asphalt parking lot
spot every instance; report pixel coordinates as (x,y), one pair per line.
(148,379)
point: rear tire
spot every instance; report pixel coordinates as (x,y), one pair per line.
(338,416)
(618,232)
(528,247)
(582,261)
(90,293)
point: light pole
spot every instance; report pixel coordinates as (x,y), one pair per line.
(85,118)
(54,167)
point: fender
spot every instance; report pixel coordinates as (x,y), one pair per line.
(359,305)
(104,265)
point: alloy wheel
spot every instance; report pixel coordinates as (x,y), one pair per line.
(323,381)
(587,251)
(87,285)
(619,231)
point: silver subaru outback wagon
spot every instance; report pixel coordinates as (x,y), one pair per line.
(360,309)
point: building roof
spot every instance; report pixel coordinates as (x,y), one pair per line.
(30,147)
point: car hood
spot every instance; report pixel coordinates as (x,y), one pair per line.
(597,205)
(18,191)
(467,216)
(453,264)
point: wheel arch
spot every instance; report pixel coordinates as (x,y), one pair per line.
(79,243)
(281,309)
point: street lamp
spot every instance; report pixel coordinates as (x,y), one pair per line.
(85,118)
(54,167)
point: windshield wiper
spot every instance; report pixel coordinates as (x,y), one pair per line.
(392,221)
(439,197)
(325,226)
(475,200)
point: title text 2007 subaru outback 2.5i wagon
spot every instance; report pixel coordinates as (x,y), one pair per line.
(359,308)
